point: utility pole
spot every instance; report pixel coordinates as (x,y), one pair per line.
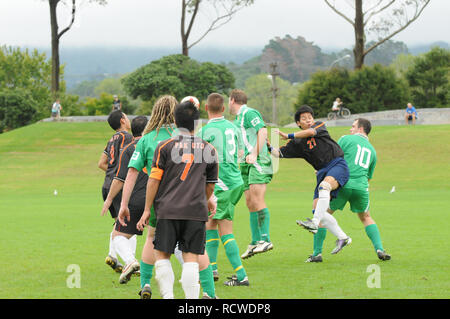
(273,75)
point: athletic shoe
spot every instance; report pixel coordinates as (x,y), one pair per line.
(235,282)
(128,271)
(205,296)
(114,263)
(262,247)
(382,255)
(216,275)
(341,243)
(308,224)
(314,259)
(249,252)
(146,292)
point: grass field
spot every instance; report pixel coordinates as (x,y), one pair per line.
(42,234)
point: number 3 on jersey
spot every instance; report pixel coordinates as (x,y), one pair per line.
(361,159)
(188,159)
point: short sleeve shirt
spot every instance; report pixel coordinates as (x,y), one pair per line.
(137,198)
(145,148)
(183,165)
(317,150)
(112,150)
(225,138)
(361,159)
(249,121)
(411,110)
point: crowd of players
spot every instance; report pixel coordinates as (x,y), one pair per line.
(182,183)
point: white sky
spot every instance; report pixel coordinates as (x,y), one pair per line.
(156,23)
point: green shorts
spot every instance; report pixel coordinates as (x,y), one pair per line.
(358,199)
(252,175)
(226,201)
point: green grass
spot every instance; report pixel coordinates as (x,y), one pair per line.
(42,234)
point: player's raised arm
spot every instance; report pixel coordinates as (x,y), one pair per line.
(299,134)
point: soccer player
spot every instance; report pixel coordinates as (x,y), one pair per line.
(160,127)
(125,247)
(184,172)
(361,159)
(256,170)
(315,145)
(224,136)
(108,162)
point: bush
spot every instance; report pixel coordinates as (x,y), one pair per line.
(370,89)
(17,108)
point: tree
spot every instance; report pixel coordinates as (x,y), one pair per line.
(56,35)
(17,108)
(224,10)
(259,94)
(22,69)
(179,76)
(429,78)
(369,89)
(385,18)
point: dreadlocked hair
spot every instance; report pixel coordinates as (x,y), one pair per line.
(162,114)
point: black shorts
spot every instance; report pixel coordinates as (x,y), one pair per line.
(115,206)
(130,228)
(189,234)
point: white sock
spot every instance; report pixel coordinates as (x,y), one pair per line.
(329,222)
(112,250)
(165,277)
(132,242)
(322,205)
(189,280)
(123,249)
(179,254)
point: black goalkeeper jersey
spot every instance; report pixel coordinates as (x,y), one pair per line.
(317,150)
(112,150)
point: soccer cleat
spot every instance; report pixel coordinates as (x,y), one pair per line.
(314,259)
(205,296)
(114,263)
(341,243)
(382,255)
(308,224)
(235,282)
(216,275)
(262,247)
(249,252)
(128,272)
(146,292)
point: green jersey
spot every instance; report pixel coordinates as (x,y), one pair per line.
(224,136)
(361,159)
(143,154)
(249,121)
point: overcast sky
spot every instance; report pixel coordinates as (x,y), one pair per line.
(153,23)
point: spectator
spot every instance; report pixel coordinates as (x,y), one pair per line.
(411,114)
(56,109)
(336,105)
(117,104)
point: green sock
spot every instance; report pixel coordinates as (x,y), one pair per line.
(146,273)
(256,235)
(374,234)
(207,281)
(232,251)
(264,223)
(319,238)
(212,246)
